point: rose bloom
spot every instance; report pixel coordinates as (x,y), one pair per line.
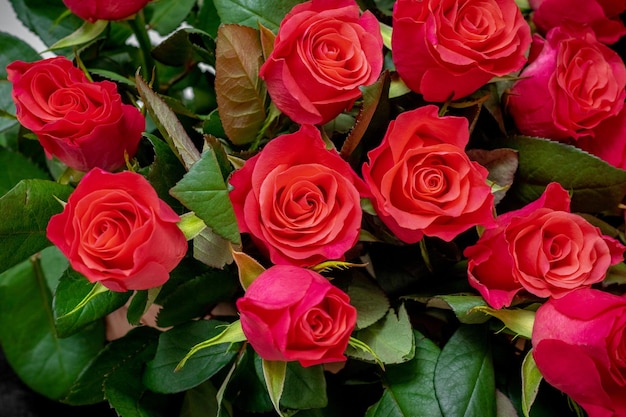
(448,49)
(93,10)
(603,16)
(290,313)
(115,230)
(82,123)
(324,51)
(579,345)
(423,182)
(541,248)
(572,85)
(299,201)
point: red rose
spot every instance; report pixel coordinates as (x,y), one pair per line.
(82,123)
(115,230)
(572,85)
(324,51)
(423,182)
(603,16)
(541,248)
(299,201)
(448,49)
(93,10)
(579,345)
(290,313)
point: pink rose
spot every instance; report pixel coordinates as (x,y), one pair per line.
(579,345)
(571,86)
(324,51)
(541,248)
(603,16)
(423,182)
(115,230)
(82,123)
(299,201)
(448,49)
(93,10)
(295,314)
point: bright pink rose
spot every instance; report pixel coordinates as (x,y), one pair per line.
(423,182)
(82,123)
(295,314)
(541,248)
(610,144)
(115,230)
(579,345)
(572,85)
(603,16)
(448,49)
(93,10)
(324,51)
(299,201)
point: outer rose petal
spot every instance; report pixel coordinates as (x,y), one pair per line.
(93,10)
(134,258)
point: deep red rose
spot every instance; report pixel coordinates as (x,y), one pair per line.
(579,346)
(572,85)
(299,201)
(324,51)
(448,49)
(115,230)
(82,123)
(423,182)
(541,248)
(295,314)
(93,10)
(603,16)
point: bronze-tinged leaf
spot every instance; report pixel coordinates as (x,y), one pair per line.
(267,40)
(239,90)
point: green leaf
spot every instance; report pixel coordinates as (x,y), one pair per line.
(15,167)
(86,33)
(251,12)
(196,297)
(167,15)
(409,387)
(167,123)
(518,320)
(201,401)
(594,184)
(138,345)
(140,304)
(248,372)
(463,305)
(203,191)
(274,373)
(184,46)
(531,379)
(174,345)
(25,211)
(27,329)
(212,249)
(464,376)
(239,90)
(369,300)
(71,314)
(43,17)
(304,388)
(13,49)
(391,338)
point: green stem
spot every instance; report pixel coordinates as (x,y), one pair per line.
(148,67)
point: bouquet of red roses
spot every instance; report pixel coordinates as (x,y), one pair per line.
(326,207)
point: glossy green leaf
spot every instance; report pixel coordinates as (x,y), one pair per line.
(48,19)
(239,90)
(304,388)
(167,15)
(13,49)
(71,291)
(26,299)
(369,300)
(15,167)
(464,375)
(391,338)
(531,380)
(174,345)
(248,372)
(251,12)
(201,401)
(409,388)
(137,345)
(595,185)
(86,33)
(164,171)
(203,191)
(25,211)
(463,305)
